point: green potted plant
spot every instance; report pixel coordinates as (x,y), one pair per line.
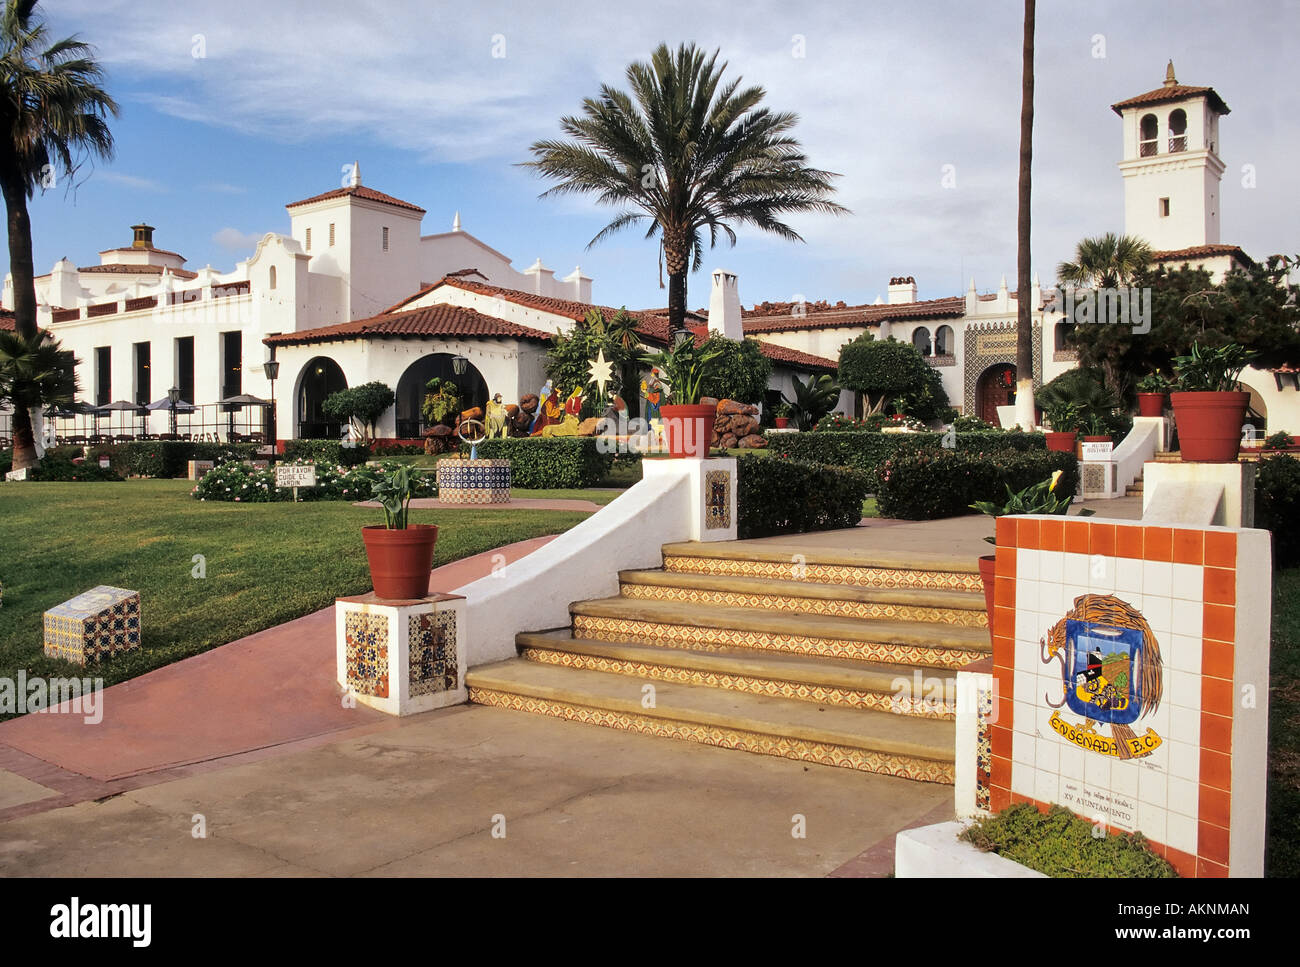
(400,553)
(1039,498)
(1064,417)
(1151,394)
(688,423)
(1208,408)
(1097,431)
(782,417)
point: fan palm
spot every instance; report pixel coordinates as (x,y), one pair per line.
(1105,262)
(52,114)
(35,372)
(688,153)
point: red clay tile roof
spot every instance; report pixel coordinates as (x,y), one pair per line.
(360,191)
(1203,251)
(838,318)
(137,270)
(131,248)
(438,320)
(794,359)
(7,323)
(650,325)
(1176,92)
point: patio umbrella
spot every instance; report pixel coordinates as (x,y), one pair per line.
(166,404)
(117,406)
(244,399)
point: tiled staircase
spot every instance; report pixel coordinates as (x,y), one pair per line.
(1135,488)
(845,659)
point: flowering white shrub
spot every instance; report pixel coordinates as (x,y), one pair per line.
(240,483)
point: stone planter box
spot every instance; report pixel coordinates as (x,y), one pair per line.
(474,481)
(93,627)
(935,851)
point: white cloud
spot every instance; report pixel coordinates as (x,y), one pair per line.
(130,181)
(233,240)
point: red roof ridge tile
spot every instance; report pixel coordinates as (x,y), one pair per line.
(360,191)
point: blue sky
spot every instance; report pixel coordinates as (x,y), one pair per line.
(210,148)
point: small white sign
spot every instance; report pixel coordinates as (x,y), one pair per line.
(295,476)
(1097,451)
(17,474)
(105,462)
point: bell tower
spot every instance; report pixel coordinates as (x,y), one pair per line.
(1171,164)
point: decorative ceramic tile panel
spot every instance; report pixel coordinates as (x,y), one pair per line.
(983,748)
(95,626)
(367,641)
(908,767)
(474,481)
(433,666)
(717,500)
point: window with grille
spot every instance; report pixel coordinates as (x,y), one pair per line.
(309,240)
(385,238)
(331,234)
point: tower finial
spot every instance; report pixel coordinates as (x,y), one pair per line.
(355,178)
(455,224)
(1170,79)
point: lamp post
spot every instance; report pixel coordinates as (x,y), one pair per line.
(272,370)
(173,397)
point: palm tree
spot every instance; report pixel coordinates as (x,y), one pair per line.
(34,372)
(1024,306)
(1105,262)
(688,153)
(52,113)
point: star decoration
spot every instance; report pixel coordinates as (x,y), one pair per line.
(601,371)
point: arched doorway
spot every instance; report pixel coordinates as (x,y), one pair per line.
(319,378)
(1256,410)
(996,387)
(411,389)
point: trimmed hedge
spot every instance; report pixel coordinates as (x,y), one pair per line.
(930,484)
(239,483)
(791,496)
(1277,503)
(867,451)
(327,451)
(167,458)
(542,463)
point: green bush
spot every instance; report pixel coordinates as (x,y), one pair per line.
(63,469)
(66,453)
(327,451)
(1062,844)
(740,372)
(929,484)
(240,483)
(167,458)
(867,451)
(541,463)
(886,370)
(776,496)
(1277,502)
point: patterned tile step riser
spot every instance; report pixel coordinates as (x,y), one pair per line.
(866,577)
(779,602)
(820,694)
(715,639)
(843,757)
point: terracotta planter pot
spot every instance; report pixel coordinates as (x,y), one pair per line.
(988,572)
(1151,404)
(782,422)
(1062,442)
(688,430)
(1209,425)
(400,560)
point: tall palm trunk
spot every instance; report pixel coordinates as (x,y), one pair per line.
(1024,304)
(21,268)
(676,253)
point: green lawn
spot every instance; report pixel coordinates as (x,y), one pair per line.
(266,563)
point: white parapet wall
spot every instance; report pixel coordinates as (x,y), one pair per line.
(1104,479)
(935,851)
(676,500)
(1200,493)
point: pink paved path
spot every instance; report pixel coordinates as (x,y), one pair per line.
(268,689)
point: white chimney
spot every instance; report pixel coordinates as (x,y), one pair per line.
(724,305)
(902,289)
(65,285)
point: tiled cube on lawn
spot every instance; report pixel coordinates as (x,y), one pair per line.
(95,626)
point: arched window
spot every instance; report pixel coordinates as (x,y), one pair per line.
(1149,136)
(921,340)
(272,277)
(943,342)
(1178,130)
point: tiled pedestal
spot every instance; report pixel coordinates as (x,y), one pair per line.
(402,656)
(95,626)
(474,481)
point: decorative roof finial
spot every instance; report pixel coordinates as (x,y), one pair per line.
(355,179)
(1170,79)
(455,224)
